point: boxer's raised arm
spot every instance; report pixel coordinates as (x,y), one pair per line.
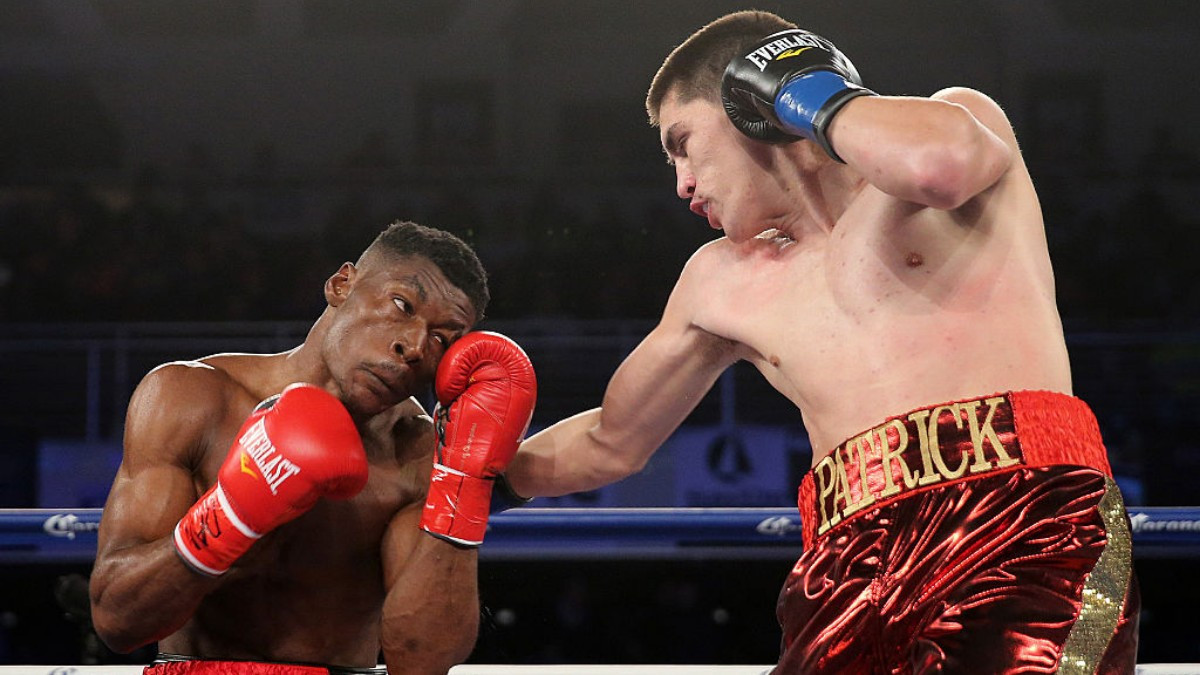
(140,589)
(486,390)
(939,152)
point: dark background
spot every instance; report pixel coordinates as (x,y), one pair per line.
(213,162)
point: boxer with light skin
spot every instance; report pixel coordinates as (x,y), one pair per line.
(884,265)
(270,514)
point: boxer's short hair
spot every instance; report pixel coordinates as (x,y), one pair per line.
(694,68)
(452,255)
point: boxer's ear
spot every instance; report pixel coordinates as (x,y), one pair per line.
(338,286)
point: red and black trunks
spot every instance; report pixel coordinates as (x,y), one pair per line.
(977,536)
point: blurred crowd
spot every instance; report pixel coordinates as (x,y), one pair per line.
(151,251)
(156,250)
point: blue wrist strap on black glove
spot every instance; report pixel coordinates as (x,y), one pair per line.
(788,87)
(807,103)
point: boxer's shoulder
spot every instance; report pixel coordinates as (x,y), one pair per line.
(174,412)
(207,394)
(705,265)
(724,268)
(213,380)
(192,384)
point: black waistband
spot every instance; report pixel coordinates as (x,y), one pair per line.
(163,657)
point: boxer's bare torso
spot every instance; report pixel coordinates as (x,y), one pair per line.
(312,590)
(330,581)
(858,293)
(888,310)
(890,307)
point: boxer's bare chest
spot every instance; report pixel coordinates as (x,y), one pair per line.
(319,578)
(830,319)
(340,537)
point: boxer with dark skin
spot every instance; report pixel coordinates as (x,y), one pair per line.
(344,569)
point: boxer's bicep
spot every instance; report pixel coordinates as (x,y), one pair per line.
(140,591)
(658,385)
(664,378)
(170,416)
(653,390)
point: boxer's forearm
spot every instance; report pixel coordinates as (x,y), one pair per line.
(143,593)
(927,151)
(567,457)
(431,614)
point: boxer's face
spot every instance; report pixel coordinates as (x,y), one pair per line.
(393,319)
(728,178)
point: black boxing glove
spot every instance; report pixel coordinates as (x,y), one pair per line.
(789,87)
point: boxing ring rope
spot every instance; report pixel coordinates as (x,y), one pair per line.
(69,535)
(33,536)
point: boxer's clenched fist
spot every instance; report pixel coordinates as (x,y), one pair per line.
(293,449)
(486,390)
(788,87)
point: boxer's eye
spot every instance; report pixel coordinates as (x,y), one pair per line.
(403,305)
(675,145)
(679,151)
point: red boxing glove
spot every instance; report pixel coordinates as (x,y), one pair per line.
(486,391)
(294,449)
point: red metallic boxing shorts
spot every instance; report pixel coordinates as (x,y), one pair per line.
(979,536)
(175,664)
